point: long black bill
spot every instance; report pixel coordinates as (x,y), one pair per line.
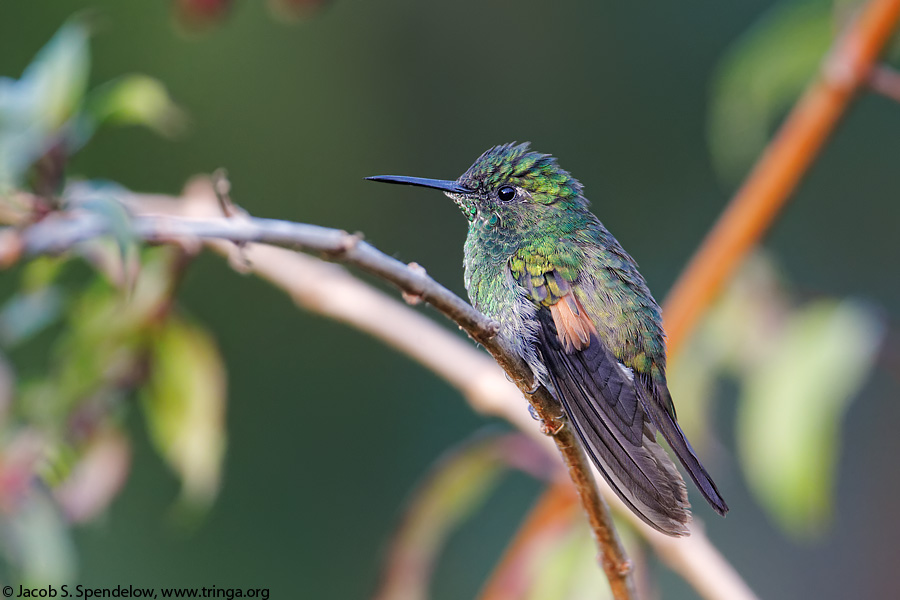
(437,184)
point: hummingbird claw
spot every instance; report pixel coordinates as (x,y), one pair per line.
(549,426)
(553,427)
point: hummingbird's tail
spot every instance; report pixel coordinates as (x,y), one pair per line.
(668,426)
(608,416)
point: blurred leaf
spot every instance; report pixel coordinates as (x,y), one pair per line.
(34,108)
(791,408)
(117,222)
(102,350)
(117,254)
(184,402)
(97,478)
(101,343)
(748,319)
(454,490)
(737,333)
(568,569)
(21,455)
(41,271)
(692,377)
(27,313)
(55,82)
(762,74)
(58,461)
(136,100)
(36,540)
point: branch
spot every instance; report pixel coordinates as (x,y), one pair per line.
(59,232)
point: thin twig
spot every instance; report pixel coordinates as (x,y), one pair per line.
(615,563)
(781,167)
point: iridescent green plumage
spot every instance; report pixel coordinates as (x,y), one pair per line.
(572,302)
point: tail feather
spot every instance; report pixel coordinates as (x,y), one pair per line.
(680,445)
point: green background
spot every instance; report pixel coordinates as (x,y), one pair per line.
(328,432)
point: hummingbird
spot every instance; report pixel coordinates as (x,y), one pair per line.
(573,305)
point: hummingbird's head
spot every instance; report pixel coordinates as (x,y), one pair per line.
(506,181)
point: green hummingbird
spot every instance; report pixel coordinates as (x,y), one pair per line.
(572,303)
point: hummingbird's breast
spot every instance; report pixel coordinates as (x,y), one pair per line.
(493,290)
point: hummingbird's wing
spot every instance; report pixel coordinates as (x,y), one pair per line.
(651,379)
(603,404)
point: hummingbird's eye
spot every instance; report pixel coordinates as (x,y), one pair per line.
(506,193)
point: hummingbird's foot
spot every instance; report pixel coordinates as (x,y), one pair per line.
(548,427)
(553,427)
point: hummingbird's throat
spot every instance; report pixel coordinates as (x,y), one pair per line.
(465,204)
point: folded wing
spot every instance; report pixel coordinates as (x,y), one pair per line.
(606,412)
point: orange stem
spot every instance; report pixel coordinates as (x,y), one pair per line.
(748,216)
(779,170)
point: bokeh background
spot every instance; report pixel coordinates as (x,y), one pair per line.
(328,432)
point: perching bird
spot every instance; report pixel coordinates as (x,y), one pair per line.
(570,300)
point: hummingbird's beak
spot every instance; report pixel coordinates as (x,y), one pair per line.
(451,187)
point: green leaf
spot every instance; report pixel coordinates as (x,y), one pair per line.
(740,329)
(41,272)
(692,378)
(791,407)
(136,100)
(34,108)
(57,78)
(96,477)
(760,76)
(184,403)
(567,568)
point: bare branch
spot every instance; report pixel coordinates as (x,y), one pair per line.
(61,231)
(330,290)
